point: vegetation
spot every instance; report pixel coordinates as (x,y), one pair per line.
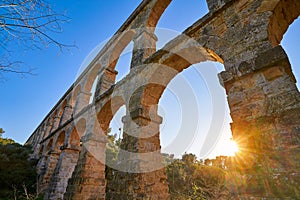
(112,149)
(188,178)
(212,179)
(196,180)
(1,132)
(17,172)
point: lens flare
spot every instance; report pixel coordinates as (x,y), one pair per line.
(230,148)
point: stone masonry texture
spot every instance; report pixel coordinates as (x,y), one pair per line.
(264,102)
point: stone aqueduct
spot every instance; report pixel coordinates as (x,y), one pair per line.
(264,101)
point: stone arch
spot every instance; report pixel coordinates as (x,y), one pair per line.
(156,11)
(47,127)
(43,132)
(284,13)
(41,150)
(144,121)
(174,62)
(55,120)
(91,82)
(75,92)
(60,141)
(164,71)
(122,40)
(49,145)
(89,164)
(80,98)
(53,115)
(187,16)
(91,77)
(107,112)
(77,132)
(35,137)
(62,107)
(291,47)
(66,110)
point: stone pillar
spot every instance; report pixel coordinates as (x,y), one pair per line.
(43,133)
(50,164)
(66,115)
(88,178)
(55,124)
(40,135)
(41,170)
(106,79)
(36,150)
(35,144)
(34,139)
(82,101)
(214,5)
(62,173)
(144,45)
(48,129)
(140,173)
(265,108)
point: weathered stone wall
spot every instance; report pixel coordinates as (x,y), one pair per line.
(264,103)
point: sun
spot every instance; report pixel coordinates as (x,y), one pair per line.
(230,148)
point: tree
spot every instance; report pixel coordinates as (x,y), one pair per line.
(192,180)
(112,151)
(189,158)
(1,132)
(5,141)
(17,173)
(27,23)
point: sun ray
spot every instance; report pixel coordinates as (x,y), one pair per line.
(230,148)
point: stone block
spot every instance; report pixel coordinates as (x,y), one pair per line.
(270,58)
(245,68)
(255,94)
(273,73)
(224,77)
(214,5)
(235,99)
(279,85)
(282,102)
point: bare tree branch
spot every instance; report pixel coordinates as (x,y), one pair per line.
(30,23)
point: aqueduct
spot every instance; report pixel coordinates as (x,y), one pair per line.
(264,101)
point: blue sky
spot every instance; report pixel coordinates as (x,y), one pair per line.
(26,101)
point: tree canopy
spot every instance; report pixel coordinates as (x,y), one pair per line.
(192,179)
(1,132)
(17,171)
(188,178)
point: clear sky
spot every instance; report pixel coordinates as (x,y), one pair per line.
(26,101)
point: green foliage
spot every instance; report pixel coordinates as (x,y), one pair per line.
(1,132)
(189,159)
(111,152)
(192,180)
(17,173)
(4,141)
(188,178)
(219,178)
(112,149)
